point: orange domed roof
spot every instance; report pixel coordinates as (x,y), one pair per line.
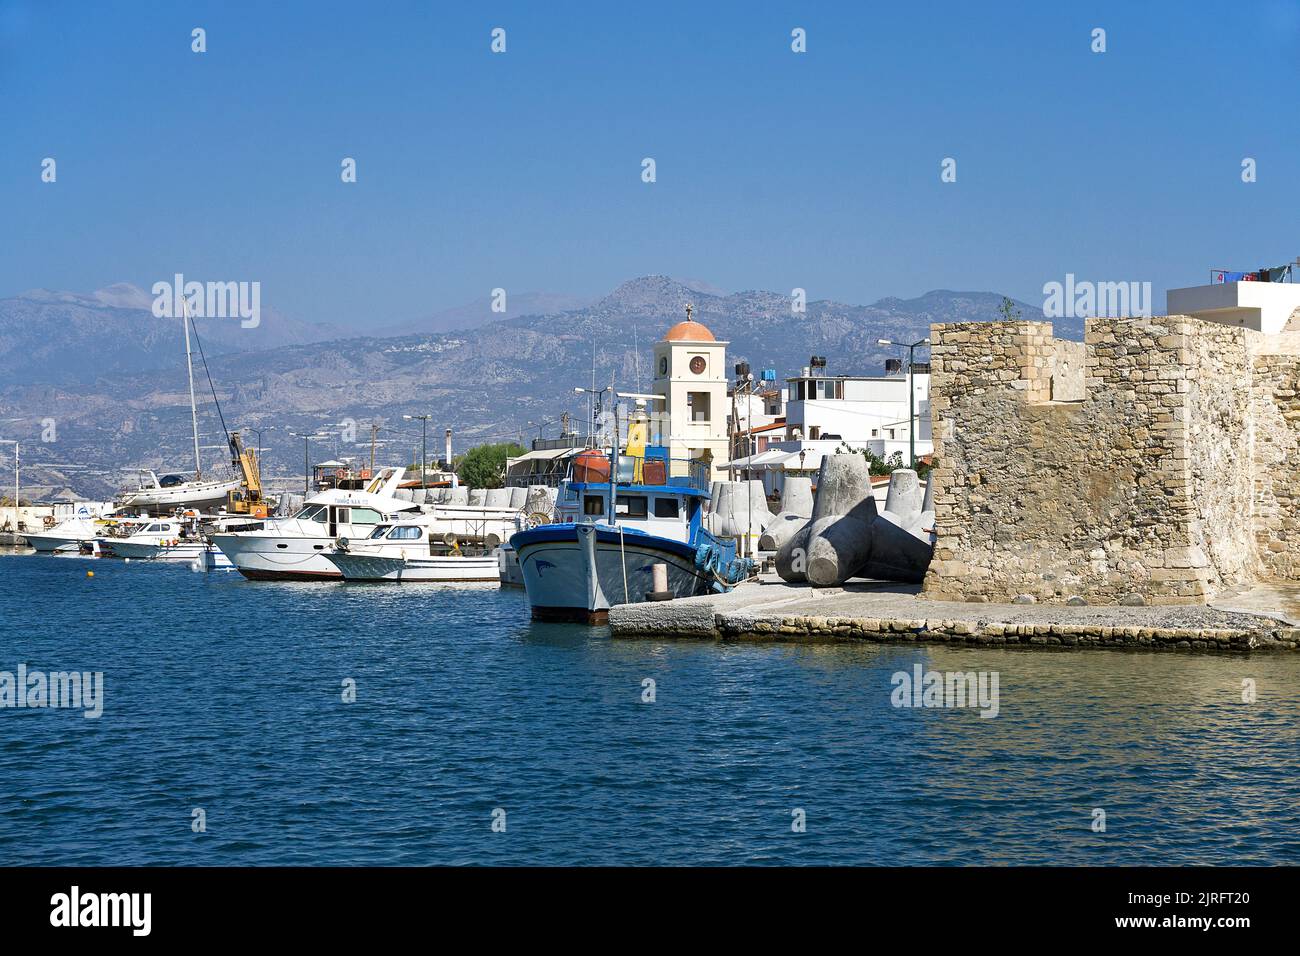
(689,331)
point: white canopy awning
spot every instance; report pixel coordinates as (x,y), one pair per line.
(545,454)
(773,458)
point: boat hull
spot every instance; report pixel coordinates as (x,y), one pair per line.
(49,543)
(445,569)
(151,551)
(577,572)
(509,574)
(265,557)
(191,495)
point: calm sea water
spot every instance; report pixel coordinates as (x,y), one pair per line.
(226,695)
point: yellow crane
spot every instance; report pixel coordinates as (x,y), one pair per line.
(250,502)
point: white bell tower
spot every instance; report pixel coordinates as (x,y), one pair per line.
(691,373)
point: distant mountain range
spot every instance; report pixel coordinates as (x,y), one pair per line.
(111,376)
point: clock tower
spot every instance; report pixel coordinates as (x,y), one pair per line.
(691,373)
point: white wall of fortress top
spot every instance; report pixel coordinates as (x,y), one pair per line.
(1152,461)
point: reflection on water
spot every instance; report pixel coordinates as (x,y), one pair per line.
(225,694)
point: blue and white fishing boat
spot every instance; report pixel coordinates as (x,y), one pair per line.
(609,535)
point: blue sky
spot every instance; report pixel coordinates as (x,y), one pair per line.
(775,170)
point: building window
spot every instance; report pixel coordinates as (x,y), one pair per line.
(699,403)
(827,389)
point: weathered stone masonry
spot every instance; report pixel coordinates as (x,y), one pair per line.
(1153,464)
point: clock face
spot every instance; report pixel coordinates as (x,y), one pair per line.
(697,364)
(663,365)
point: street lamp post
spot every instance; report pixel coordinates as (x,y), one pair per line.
(911,394)
(258,433)
(306,461)
(10,441)
(424,443)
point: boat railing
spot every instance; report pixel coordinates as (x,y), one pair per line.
(654,467)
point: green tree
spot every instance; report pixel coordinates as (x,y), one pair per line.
(485,466)
(1007,311)
(876,465)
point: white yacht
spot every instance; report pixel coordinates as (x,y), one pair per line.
(170,492)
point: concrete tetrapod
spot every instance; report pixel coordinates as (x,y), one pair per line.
(843,490)
(893,545)
(740,509)
(796,509)
(838,545)
(792,557)
(902,537)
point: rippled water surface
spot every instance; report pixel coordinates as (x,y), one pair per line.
(225,695)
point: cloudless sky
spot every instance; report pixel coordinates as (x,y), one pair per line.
(523,170)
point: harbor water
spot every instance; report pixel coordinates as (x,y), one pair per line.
(224,705)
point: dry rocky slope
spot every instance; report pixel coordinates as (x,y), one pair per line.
(113,377)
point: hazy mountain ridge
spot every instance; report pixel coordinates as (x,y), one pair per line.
(70,337)
(126,406)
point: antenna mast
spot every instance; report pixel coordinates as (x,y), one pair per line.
(194,414)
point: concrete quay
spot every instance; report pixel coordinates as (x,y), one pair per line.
(769,609)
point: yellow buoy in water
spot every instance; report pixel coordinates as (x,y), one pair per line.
(90,574)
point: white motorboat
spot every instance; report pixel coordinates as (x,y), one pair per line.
(183,538)
(166,539)
(68,535)
(509,573)
(417,551)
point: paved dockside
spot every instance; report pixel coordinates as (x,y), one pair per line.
(771,610)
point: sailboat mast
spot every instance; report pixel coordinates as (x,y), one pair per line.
(194,413)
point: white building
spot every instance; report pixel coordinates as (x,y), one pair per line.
(828,412)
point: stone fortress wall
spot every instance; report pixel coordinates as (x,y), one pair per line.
(1149,464)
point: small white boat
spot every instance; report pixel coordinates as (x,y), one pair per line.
(68,535)
(167,539)
(410,552)
(212,559)
(509,573)
(175,539)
